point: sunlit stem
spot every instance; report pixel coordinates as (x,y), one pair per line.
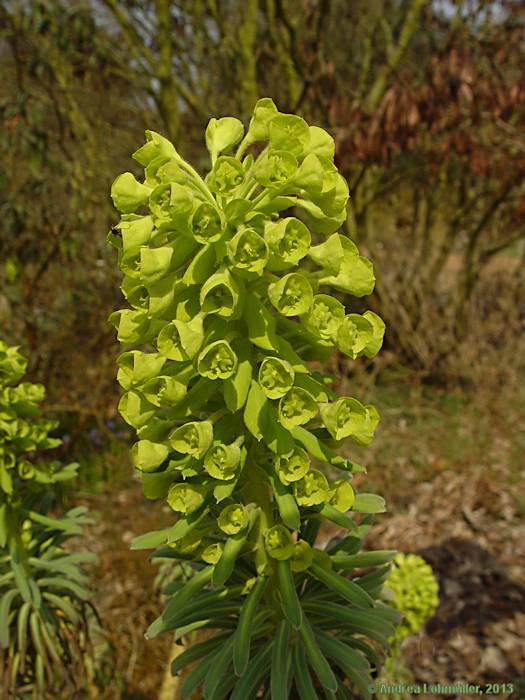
(202,186)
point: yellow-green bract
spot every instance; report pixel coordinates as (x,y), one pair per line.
(229,280)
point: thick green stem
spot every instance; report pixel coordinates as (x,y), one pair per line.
(257,490)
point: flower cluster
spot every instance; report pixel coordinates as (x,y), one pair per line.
(212,276)
(228,280)
(23,432)
(415,593)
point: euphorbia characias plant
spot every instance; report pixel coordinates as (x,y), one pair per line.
(43,613)
(229,299)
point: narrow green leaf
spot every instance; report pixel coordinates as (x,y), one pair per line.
(289,599)
(347,589)
(303,680)
(218,669)
(351,662)
(241,648)
(5,608)
(281,666)
(363,559)
(318,662)
(248,685)
(195,652)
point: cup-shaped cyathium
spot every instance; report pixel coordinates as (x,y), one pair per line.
(289,133)
(297,407)
(221,461)
(164,391)
(276,377)
(289,242)
(212,552)
(193,438)
(217,361)
(147,456)
(181,340)
(171,205)
(279,542)
(313,489)
(233,519)
(348,417)
(294,467)
(221,295)
(275,169)
(291,295)
(342,495)
(226,176)
(325,317)
(248,251)
(206,223)
(185,497)
(136,368)
(302,556)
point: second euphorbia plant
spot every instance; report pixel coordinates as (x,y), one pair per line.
(229,298)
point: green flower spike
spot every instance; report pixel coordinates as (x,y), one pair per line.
(212,553)
(302,556)
(297,407)
(217,361)
(248,251)
(206,224)
(233,519)
(276,377)
(221,295)
(193,438)
(279,542)
(128,194)
(348,417)
(325,317)
(186,498)
(289,242)
(221,461)
(342,495)
(292,295)
(312,489)
(214,273)
(148,456)
(293,468)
